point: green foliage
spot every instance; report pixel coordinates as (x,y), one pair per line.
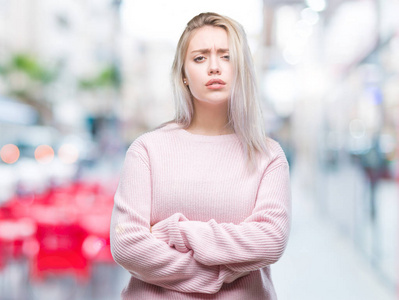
(108,77)
(29,65)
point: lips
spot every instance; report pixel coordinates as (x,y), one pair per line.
(215,82)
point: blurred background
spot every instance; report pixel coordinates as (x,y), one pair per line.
(80,80)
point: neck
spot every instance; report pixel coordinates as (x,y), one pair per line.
(210,119)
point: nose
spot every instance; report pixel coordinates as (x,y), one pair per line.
(214,67)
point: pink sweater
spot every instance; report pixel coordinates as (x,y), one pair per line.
(217,228)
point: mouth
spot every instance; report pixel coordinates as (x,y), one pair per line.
(215,84)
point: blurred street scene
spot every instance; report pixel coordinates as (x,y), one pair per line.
(80,80)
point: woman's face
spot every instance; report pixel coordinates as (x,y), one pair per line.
(208,70)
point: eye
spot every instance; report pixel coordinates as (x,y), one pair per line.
(226,57)
(199,58)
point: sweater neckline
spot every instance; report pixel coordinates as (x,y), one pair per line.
(202,137)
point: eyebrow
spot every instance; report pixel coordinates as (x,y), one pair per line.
(209,50)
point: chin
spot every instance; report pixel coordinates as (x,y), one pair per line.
(212,99)
(216,101)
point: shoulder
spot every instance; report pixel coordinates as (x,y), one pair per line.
(153,137)
(275,148)
(276,155)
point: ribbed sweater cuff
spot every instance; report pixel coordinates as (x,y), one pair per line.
(160,231)
(168,231)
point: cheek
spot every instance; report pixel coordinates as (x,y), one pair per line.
(192,69)
(229,70)
(188,72)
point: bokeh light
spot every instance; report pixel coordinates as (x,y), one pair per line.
(9,153)
(68,153)
(317,5)
(92,245)
(44,154)
(310,15)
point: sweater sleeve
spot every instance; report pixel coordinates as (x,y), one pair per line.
(137,250)
(258,241)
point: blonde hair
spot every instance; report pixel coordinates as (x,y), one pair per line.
(244,111)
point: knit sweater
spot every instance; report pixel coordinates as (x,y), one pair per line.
(216,226)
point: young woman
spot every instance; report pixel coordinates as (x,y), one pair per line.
(203,205)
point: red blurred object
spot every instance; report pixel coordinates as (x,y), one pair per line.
(60,252)
(97,244)
(69,229)
(14,234)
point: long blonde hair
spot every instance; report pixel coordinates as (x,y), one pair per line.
(244,111)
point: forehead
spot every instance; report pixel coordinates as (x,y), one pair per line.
(209,37)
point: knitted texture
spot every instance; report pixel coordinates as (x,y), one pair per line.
(216,226)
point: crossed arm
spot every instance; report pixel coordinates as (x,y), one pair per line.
(191,256)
